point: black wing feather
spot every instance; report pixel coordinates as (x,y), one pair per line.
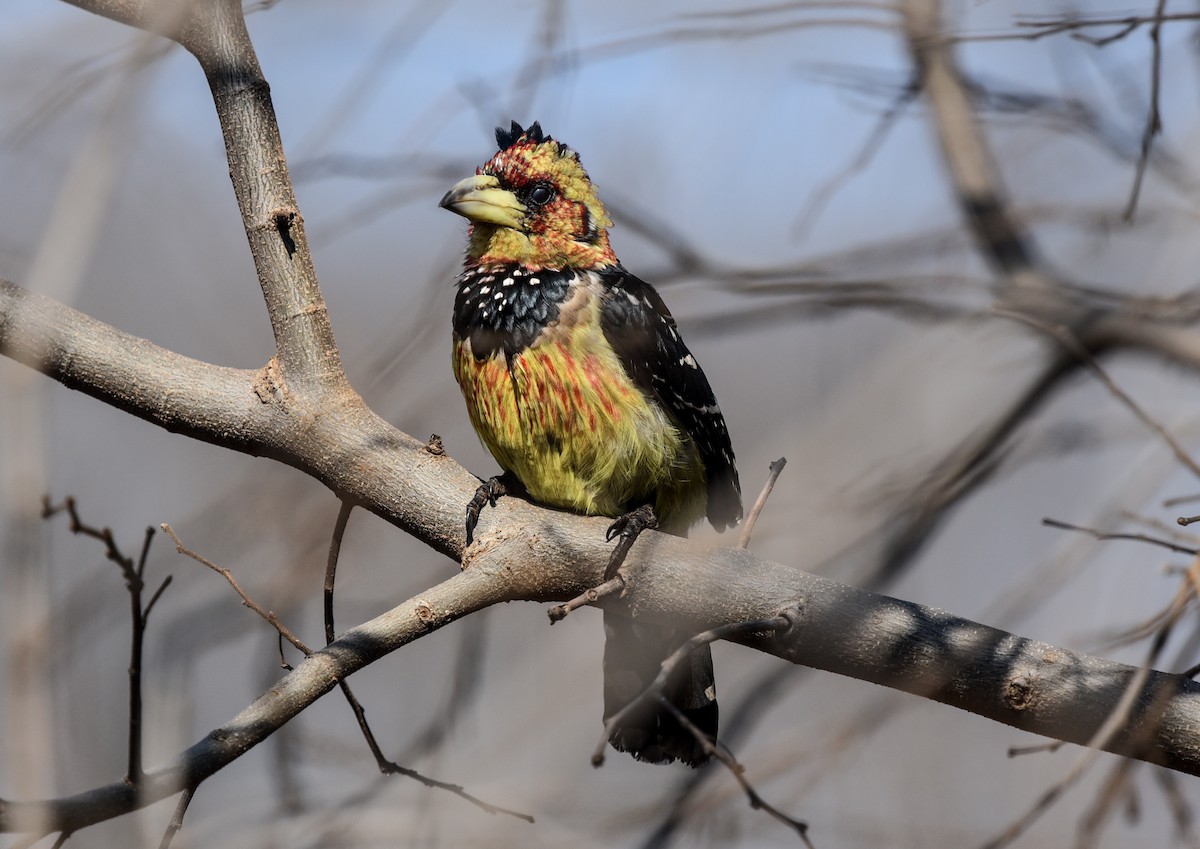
(641,330)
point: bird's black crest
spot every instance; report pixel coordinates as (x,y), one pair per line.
(507,138)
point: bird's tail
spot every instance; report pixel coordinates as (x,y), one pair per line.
(633,656)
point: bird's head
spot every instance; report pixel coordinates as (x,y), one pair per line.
(533,204)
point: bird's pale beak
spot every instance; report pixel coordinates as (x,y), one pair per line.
(481,199)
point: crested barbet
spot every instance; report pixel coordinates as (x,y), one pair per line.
(578,382)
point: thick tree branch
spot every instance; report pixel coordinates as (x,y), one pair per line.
(230,407)
(214,31)
(333,437)
(1022,683)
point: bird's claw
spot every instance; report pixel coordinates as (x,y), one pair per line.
(628,528)
(486,494)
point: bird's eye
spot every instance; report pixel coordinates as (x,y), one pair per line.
(541,194)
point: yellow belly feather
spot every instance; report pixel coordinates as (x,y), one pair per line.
(572,427)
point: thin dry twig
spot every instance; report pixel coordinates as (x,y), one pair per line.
(1044,26)
(176,821)
(821,197)
(247,601)
(134,574)
(1154,119)
(1063,335)
(776,469)
(1036,749)
(677,657)
(738,770)
(1102,535)
(335,549)
(1158,525)
(655,691)
(385,765)
(1119,783)
(615,584)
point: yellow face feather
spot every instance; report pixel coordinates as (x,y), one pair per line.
(533,204)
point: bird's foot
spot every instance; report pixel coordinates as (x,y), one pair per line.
(488,492)
(628,528)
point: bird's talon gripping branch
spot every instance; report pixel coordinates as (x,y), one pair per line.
(628,527)
(488,492)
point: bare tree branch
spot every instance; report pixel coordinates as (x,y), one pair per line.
(981,197)
(1020,682)
(299,410)
(1154,119)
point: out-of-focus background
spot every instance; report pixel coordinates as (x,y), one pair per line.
(768,174)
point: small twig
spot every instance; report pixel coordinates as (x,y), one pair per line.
(1101,535)
(1038,748)
(134,574)
(457,790)
(386,766)
(335,548)
(390,767)
(752,518)
(1042,27)
(1066,338)
(1105,40)
(1159,525)
(1154,119)
(757,802)
(176,821)
(613,585)
(154,598)
(283,661)
(820,198)
(1181,499)
(246,600)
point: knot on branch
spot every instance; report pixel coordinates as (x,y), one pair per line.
(426,613)
(1019,692)
(268,382)
(786,625)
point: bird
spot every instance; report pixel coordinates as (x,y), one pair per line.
(577,381)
